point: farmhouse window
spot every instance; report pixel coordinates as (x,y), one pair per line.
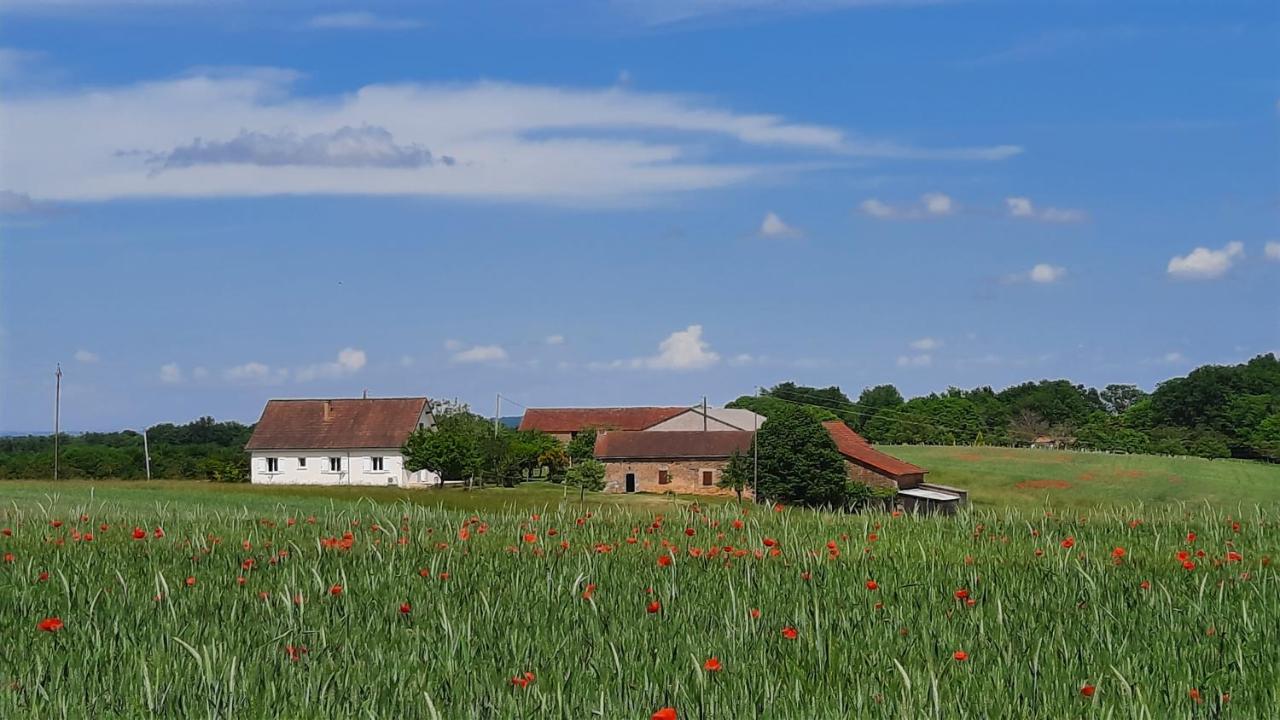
(707,476)
(273,465)
(335,464)
(302,462)
(664,477)
(377,464)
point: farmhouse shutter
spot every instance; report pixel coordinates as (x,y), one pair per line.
(260,464)
(367,462)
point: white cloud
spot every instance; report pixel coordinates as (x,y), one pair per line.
(921,360)
(199,373)
(926,343)
(930,205)
(361,21)
(743,359)
(1045,273)
(170,374)
(249,133)
(475,353)
(773,227)
(1205,264)
(681,350)
(256,372)
(1174,357)
(554,340)
(86,357)
(1022,207)
(1272,250)
(350,361)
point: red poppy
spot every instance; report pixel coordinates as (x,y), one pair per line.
(591,590)
(56,523)
(712,664)
(1118,554)
(295,652)
(42,577)
(405,608)
(336,590)
(959,656)
(961,594)
(191,581)
(1191,537)
(1068,543)
(50,624)
(770,542)
(755,613)
(158,533)
(1145,584)
(873,585)
(523,680)
(664,560)
(690,532)
(1233,556)
(737,524)
(654,607)
(530,538)
(666,713)
(1087,690)
(8,557)
(790,633)
(1188,565)
(139,533)
(1194,694)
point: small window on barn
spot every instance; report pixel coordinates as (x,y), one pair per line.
(273,465)
(377,464)
(664,477)
(302,462)
(707,477)
(335,464)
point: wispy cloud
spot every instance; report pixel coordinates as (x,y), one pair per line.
(1272,251)
(773,227)
(469,354)
(666,12)
(86,357)
(349,361)
(926,343)
(1022,207)
(915,361)
(1040,274)
(361,21)
(930,205)
(1205,264)
(681,350)
(170,373)
(248,133)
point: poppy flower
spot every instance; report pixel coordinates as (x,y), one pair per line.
(42,577)
(191,581)
(8,557)
(873,585)
(1068,543)
(591,590)
(405,608)
(690,532)
(50,624)
(666,713)
(530,538)
(1145,584)
(770,542)
(1118,554)
(295,652)
(653,607)
(712,665)
(755,613)
(1233,556)
(1087,690)
(961,594)
(139,533)
(664,560)
(790,633)
(1194,694)
(336,590)
(959,656)
(1191,537)
(159,533)
(523,680)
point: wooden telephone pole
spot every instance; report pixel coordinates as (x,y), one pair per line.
(57,419)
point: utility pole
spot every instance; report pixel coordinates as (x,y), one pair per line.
(704,413)
(497,412)
(755,452)
(57,416)
(146,452)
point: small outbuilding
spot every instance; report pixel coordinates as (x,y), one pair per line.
(678,461)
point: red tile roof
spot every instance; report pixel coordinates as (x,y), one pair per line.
(853,446)
(353,423)
(567,420)
(671,445)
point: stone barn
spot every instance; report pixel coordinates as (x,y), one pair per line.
(678,461)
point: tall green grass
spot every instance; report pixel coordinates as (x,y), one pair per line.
(1045,620)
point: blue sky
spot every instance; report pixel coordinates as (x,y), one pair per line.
(207,204)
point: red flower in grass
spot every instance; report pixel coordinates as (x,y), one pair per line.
(790,633)
(1087,690)
(295,652)
(1145,584)
(1068,543)
(8,557)
(530,538)
(712,664)
(405,608)
(653,607)
(1194,694)
(770,542)
(960,656)
(42,577)
(191,581)
(1188,565)
(159,533)
(139,533)
(873,585)
(336,590)
(755,613)
(56,523)
(591,590)
(50,624)
(666,713)
(664,560)
(523,680)
(961,594)
(690,532)
(1191,537)
(1233,556)
(1118,554)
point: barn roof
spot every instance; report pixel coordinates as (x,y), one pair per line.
(853,446)
(671,445)
(349,423)
(563,420)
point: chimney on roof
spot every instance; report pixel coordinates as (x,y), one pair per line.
(366,394)
(328,410)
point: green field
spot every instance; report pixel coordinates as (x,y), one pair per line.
(165,627)
(1022,478)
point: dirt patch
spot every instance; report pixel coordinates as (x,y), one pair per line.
(1087,476)
(1043,485)
(1130,474)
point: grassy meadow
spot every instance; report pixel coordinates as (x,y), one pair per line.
(122,600)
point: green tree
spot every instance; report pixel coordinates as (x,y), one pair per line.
(451,448)
(555,460)
(798,461)
(1119,398)
(583,445)
(873,400)
(737,474)
(586,475)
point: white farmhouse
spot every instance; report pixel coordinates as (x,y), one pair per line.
(337,442)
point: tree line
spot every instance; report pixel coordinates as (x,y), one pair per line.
(1215,411)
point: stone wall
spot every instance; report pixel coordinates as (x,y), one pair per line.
(685,476)
(867,476)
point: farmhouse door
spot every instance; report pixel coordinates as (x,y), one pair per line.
(631,482)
